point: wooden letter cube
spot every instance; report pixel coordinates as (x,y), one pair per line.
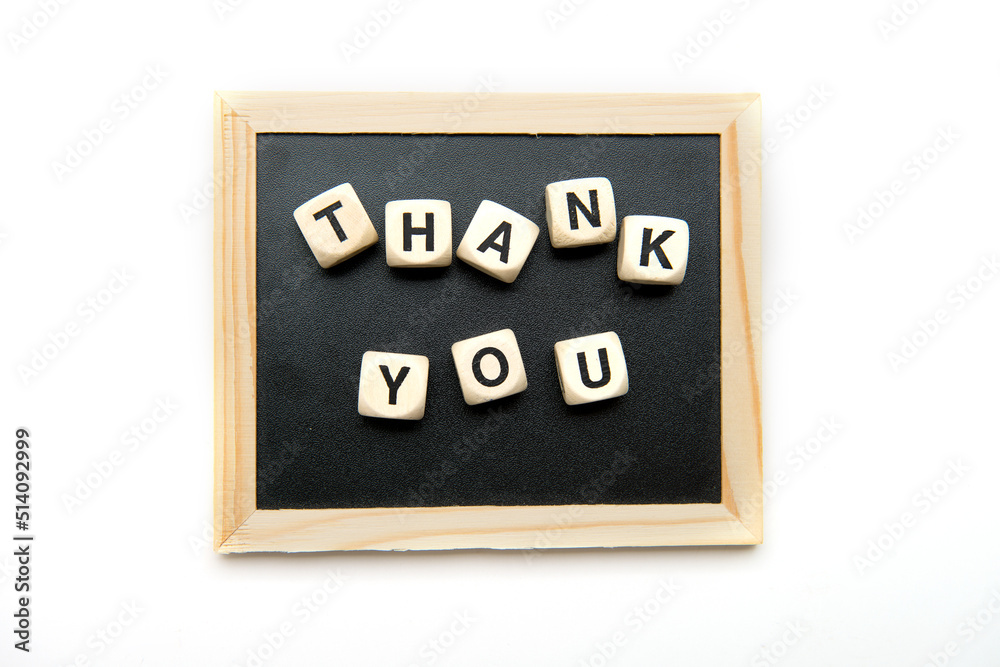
(498,241)
(393,386)
(336,225)
(489,367)
(418,232)
(653,250)
(591,368)
(580,212)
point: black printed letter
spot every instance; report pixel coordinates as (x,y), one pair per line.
(654,246)
(602,355)
(477,369)
(491,242)
(409,231)
(593,215)
(328,213)
(393,384)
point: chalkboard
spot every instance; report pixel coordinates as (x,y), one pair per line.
(322,474)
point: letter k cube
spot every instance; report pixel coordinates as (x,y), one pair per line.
(653,250)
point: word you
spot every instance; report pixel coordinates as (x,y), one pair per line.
(394,386)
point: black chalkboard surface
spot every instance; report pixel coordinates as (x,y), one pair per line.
(658,444)
(674,461)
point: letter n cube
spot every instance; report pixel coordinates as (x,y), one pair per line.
(580,212)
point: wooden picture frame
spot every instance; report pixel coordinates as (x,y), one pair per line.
(241,527)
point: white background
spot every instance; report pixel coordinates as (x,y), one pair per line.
(140,540)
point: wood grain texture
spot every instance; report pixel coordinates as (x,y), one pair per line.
(529,113)
(235,321)
(240,527)
(556,526)
(740,190)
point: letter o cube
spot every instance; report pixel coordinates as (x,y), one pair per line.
(498,241)
(653,250)
(489,367)
(336,225)
(393,386)
(591,368)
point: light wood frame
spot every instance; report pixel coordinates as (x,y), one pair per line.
(241,527)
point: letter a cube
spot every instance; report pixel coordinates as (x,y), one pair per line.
(393,386)
(498,241)
(336,225)
(591,368)
(652,250)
